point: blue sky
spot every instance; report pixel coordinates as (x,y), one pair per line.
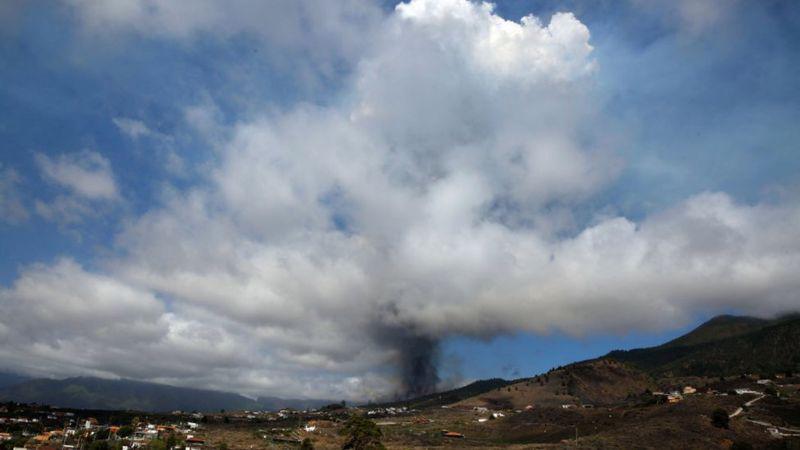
(520,356)
(146,145)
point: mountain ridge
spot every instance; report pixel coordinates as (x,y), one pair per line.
(722,346)
(123,394)
(741,345)
(711,349)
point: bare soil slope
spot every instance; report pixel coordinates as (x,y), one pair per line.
(595,382)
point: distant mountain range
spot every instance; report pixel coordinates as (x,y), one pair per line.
(99,393)
(10,379)
(725,345)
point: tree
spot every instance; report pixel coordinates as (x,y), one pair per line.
(719,418)
(156,444)
(307,444)
(15,441)
(103,434)
(125,431)
(362,434)
(771,391)
(171,441)
(98,445)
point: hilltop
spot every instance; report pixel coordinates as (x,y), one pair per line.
(600,381)
(725,345)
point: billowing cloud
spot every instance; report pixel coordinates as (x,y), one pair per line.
(440,195)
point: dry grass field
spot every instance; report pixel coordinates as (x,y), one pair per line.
(682,425)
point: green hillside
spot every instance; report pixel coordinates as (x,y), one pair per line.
(725,345)
(719,327)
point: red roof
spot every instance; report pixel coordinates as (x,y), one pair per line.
(452,434)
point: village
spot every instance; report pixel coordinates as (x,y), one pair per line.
(461,424)
(40,427)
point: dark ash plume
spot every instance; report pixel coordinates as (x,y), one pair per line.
(418,353)
(419,358)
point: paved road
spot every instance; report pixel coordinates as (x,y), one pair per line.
(778,431)
(747,404)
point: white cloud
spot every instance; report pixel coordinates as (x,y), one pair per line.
(504,48)
(161,146)
(64,209)
(86,184)
(308,37)
(12,209)
(421,205)
(691,17)
(86,174)
(132,128)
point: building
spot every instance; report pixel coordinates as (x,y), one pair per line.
(194,443)
(674,397)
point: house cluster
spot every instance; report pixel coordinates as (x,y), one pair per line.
(573,406)
(33,427)
(676,395)
(486,414)
(389,411)
(269,416)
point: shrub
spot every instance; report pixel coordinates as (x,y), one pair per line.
(103,434)
(362,434)
(719,418)
(771,391)
(157,444)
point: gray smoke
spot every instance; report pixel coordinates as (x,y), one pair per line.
(419,358)
(417,354)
